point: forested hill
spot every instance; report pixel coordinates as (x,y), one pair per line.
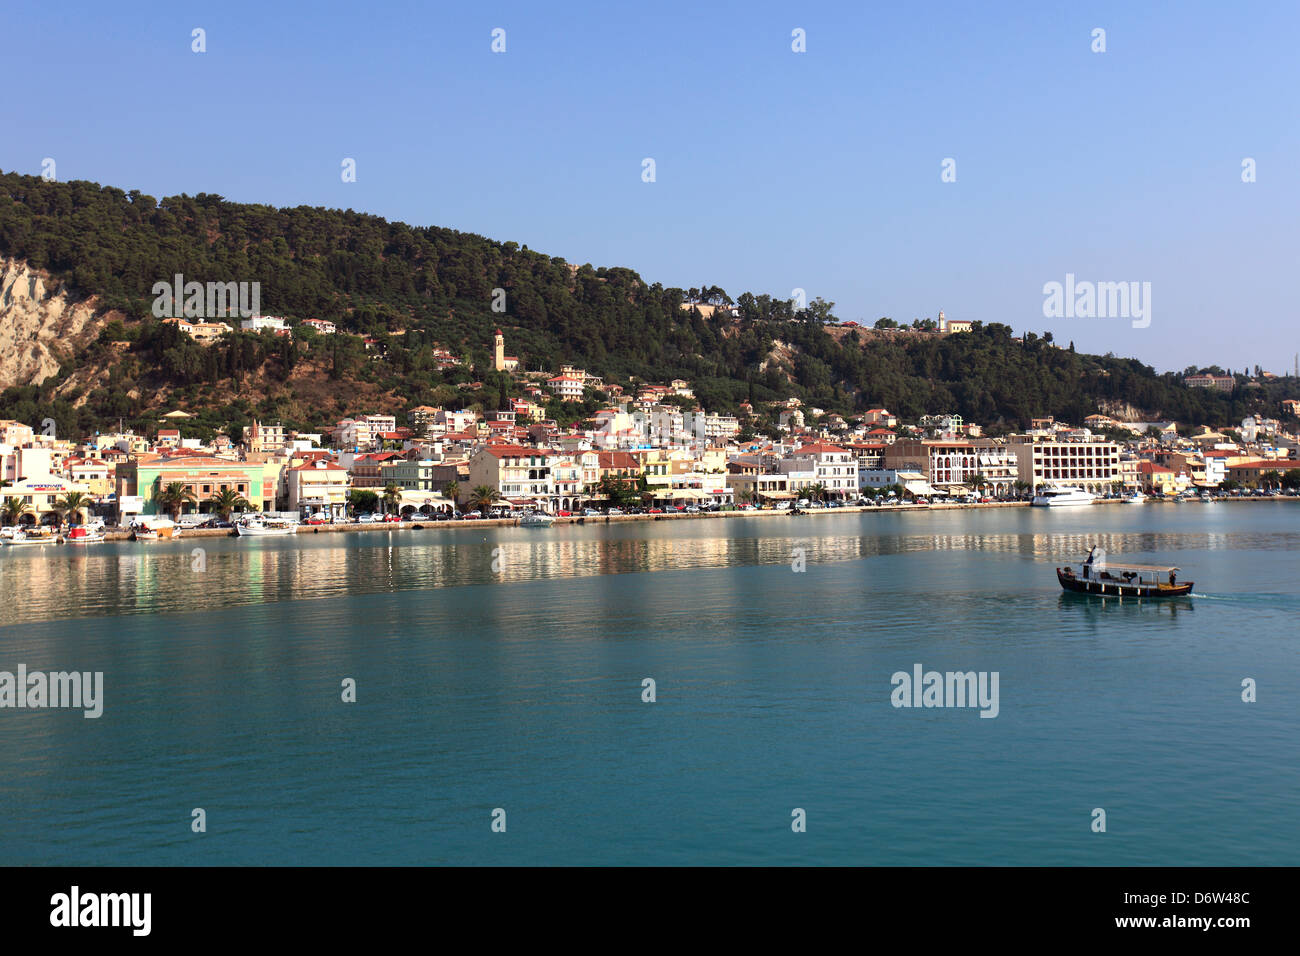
(373,277)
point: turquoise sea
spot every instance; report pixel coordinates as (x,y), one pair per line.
(519,687)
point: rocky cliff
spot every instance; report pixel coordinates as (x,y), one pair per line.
(40,323)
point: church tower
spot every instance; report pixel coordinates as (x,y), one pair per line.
(499,361)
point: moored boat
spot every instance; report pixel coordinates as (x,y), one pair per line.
(1063,497)
(1137,498)
(26,536)
(536,519)
(1100,576)
(261,526)
(85,534)
(154,528)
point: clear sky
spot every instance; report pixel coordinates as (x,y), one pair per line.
(774,170)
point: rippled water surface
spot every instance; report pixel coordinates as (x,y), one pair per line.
(519,686)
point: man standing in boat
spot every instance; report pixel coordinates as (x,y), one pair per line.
(1087,562)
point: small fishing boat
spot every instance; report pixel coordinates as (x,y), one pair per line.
(25,536)
(1137,498)
(1063,497)
(261,526)
(536,519)
(1099,575)
(154,528)
(85,534)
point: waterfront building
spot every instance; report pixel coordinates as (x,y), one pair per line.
(950,466)
(833,467)
(1090,465)
(318,486)
(202,475)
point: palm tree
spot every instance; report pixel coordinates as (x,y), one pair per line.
(815,492)
(978,481)
(72,504)
(483,496)
(13,510)
(174,497)
(453,492)
(1271,478)
(227,501)
(392,495)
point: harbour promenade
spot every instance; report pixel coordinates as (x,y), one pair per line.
(470,524)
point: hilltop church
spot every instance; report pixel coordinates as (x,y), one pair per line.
(502,362)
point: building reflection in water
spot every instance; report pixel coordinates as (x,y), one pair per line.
(54,582)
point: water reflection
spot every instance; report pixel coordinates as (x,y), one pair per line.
(135,578)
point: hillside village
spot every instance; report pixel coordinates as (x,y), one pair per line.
(648,447)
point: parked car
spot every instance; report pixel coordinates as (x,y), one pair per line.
(318,519)
(590,513)
(656,511)
(564,514)
(692,509)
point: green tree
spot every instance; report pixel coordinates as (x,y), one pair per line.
(174,497)
(227,501)
(482,497)
(14,510)
(363,500)
(73,505)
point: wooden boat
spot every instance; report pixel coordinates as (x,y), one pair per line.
(85,534)
(1109,579)
(536,519)
(30,535)
(153,528)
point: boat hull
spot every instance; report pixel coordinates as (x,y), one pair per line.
(244,532)
(1103,588)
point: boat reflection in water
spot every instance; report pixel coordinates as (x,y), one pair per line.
(1095,607)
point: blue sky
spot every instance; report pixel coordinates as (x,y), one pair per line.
(775,170)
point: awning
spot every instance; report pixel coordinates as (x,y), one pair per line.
(778,495)
(692,493)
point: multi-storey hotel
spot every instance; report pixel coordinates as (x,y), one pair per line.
(1091,465)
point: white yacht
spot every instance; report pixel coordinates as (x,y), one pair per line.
(259,525)
(1137,498)
(1063,497)
(536,519)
